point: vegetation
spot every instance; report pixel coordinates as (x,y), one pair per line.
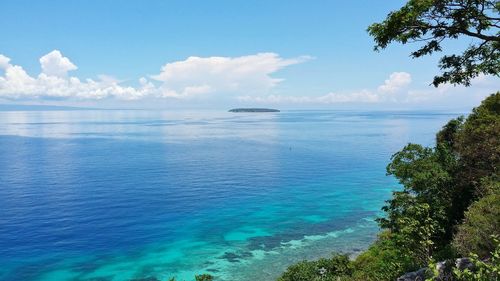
(480,271)
(253,110)
(201,277)
(449,204)
(335,268)
(382,261)
(432,22)
(481,220)
(483,271)
(204,277)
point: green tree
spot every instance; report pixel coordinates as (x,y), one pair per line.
(412,226)
(417,216)
(441,182)
(431,22)
(478,143)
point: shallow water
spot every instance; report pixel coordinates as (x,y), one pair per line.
(117,195)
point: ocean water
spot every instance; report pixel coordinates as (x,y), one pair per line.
(122,195)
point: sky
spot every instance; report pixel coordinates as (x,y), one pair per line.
(215,54)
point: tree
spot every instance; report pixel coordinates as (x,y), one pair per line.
(412,226)
(431,22)
(426,198)
(478,143)
(441,182)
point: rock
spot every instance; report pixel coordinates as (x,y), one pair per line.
(464,263)
(443,267)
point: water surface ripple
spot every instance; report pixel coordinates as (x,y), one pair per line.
(118,195)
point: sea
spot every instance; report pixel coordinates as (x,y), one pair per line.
(112,195)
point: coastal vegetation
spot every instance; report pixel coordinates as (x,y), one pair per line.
(449,204)
(449,207)
(253,110)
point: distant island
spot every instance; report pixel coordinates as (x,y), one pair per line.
(253,110)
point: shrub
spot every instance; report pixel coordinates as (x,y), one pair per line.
(204,277)
(384,260)
(481,270)
(482,219)
(332,269)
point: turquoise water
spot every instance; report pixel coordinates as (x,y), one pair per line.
(119,195)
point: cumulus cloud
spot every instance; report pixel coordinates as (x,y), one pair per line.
(396,82)
(54,64)
(250,79)
(53,83)
(445,95)
(481,87)
(4,61)
(196,75)
(192,77)
(363,96)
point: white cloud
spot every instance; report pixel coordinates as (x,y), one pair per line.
(192,77)
(249,74)
(53,83)
(248,78)
(394,91)
(4,61)
(363,96)
(481,87)
(396,81)
(54,64)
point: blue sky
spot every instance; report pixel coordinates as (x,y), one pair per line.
(291,54)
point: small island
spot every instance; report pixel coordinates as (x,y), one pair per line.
(253,110)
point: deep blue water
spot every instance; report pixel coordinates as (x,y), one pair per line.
(116,195)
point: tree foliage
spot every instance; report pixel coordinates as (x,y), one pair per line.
(417,216)
(332,269)
(384,260)
(441,182)
(478,142)
(481,221)
(431,22)
(483,270)
(204,277)
(480,269)
(449,201)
